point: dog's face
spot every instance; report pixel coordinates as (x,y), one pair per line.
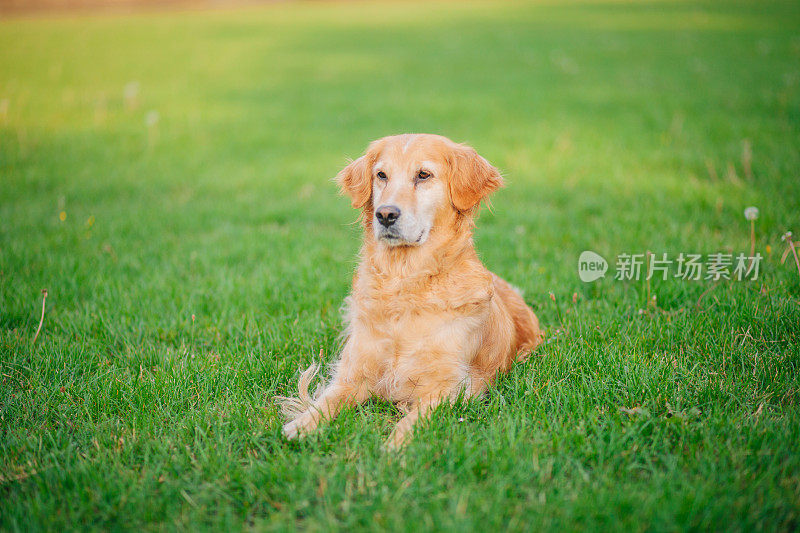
(411,185)
(408,191)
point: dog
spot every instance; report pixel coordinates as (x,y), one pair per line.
(426,322)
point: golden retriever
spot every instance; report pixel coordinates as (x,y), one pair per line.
(425,320)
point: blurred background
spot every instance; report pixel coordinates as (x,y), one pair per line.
(165,172)
(62,6)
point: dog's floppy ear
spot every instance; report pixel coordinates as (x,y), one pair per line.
(355,180)
(472,178)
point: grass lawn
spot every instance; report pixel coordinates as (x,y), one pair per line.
(166,177)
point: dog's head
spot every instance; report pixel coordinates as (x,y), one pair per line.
(412,185)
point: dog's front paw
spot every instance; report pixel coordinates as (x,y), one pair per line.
(300,426)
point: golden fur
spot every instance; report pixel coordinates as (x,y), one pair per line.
(425,319)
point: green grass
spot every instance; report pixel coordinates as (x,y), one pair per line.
(605,117)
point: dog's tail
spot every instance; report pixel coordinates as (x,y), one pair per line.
(292,407)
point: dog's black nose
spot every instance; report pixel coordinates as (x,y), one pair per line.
(387,215)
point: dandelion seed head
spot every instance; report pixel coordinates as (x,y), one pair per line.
(151,118)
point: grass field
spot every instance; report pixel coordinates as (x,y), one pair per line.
(166,177)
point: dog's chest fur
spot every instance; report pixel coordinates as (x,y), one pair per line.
(412,332)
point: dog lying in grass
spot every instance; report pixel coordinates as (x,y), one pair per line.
(426,321)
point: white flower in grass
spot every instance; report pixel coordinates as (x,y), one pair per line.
(751,213)
(151,118)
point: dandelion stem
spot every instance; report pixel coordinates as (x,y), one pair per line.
(558,309)
(649,301)
(787,238)
(794,252)
(41,320)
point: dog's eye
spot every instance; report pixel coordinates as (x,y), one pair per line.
(423,175)
(381,175)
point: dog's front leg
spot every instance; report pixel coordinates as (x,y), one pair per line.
(308,410)
(336,395)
